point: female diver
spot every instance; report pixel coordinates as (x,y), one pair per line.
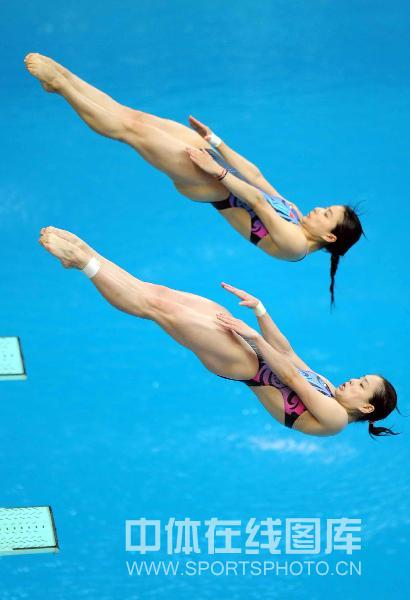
(235,186)
(291,392)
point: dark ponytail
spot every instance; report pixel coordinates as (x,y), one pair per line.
(347,233)
(378,431)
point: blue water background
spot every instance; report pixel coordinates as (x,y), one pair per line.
(115,420)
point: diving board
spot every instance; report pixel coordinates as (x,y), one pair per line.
(27,530)
(11,359)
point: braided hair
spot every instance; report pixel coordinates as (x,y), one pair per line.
(348,232)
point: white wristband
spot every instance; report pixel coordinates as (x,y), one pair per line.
(214,140)
(259,309)
(92,267)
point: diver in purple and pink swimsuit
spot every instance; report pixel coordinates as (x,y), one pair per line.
(292,405)
(258,230)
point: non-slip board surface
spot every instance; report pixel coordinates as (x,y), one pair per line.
(11,359)
(27,530)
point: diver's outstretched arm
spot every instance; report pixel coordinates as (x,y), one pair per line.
(242,189)
(248,169)
(270,331)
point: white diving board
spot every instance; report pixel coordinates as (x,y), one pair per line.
(27,530)
(11,359)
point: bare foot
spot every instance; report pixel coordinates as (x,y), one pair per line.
(46,71)
(71,256)
(71,237)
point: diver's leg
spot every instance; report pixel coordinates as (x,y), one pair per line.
(206,306)
(162,150)
(220,351)
(178,130)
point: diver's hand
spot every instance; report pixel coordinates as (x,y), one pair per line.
(203,130)
(202,159)
(238,326)
(246,299)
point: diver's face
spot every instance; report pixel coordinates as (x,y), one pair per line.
(357,392)
(320,222)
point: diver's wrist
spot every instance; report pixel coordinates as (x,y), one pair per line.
(259,309)
(221,174)
(214,140)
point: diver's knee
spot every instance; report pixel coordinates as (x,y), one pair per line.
(133,121)
(157,303)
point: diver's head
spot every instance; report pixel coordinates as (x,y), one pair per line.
(368,398)
(320,223)
(335,229)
